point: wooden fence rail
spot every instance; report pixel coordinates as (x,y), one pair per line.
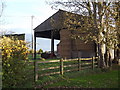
(82,63)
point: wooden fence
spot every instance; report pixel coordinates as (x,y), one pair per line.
(82,63)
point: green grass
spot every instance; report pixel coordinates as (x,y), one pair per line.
(89,79)
(83,79)
(54,64)
(29,80)
(80,79)
(103,80)
(30,57)
(46,65)
(47,79)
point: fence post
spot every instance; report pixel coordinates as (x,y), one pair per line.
(79,64)
(93,63)
(98,62)
(61,66)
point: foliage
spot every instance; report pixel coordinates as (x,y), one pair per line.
(40,51)
(94,18)
(14,61)
(99,21)
(45,55)
(31,51)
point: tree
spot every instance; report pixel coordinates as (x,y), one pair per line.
(1,7)
(117,20)
(97,20)
(40,51)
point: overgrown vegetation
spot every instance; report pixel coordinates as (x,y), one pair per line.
(14,62)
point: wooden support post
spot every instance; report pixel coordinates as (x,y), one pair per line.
(52,44)
(61,66)
(34,49)
(93,63)
(35,69)
(79,64)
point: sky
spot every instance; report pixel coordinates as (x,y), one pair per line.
(17,18)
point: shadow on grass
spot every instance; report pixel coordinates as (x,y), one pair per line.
(82,79)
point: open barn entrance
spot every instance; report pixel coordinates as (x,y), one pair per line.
(50,34)
(45,45)
(57,30)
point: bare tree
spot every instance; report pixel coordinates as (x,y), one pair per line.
(1,11)
(97,20)
(1,7)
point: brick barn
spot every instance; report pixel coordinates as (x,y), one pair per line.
(68,47)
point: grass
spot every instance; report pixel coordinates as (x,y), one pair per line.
(54,64)
(103,80)
(89,79)
(82,79)
(48,79)
(30,57)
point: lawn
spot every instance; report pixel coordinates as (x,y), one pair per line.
(30,56)
(88,79)
(81,79)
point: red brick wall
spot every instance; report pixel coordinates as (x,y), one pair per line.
(71,48)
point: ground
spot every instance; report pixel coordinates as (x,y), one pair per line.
(87,79)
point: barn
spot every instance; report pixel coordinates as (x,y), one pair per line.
(54,28)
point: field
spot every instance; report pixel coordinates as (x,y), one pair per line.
(88,78)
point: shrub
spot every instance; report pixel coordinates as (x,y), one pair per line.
(31,51)
(45,55)
(40,51)
(14,61)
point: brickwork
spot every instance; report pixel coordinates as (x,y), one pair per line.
(71,48)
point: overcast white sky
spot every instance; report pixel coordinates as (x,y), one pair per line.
(17,17)
(17,14)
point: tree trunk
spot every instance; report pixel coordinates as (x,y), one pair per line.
(107,56)
(102,57)
(111,56)
(116,56)
(110,61)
